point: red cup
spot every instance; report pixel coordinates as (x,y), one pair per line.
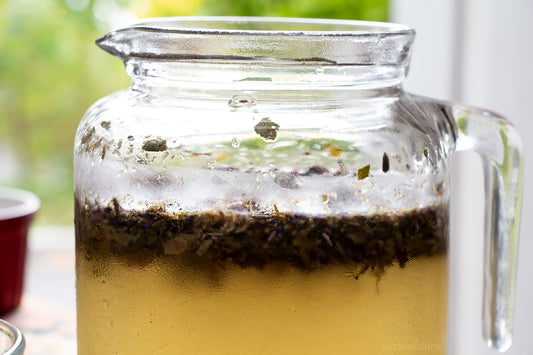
(17,208)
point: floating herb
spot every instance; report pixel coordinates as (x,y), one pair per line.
(364,172)
(462,123)
(155,145)
(287,180)
(334,151)
(267,129)
(87,136)
(317,170)
(385,165)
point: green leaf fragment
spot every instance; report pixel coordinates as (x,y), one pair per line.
(462,124)
(364,172)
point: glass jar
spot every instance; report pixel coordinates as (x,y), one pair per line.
(265,186)
(11,339)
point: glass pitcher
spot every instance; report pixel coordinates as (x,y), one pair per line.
(265,186)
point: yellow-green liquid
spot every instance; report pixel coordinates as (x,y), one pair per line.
(178,305)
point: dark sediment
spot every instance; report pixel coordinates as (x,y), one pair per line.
(256,239)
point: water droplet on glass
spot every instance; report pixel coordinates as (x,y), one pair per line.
(319,70)
(211,164)
(272,170)
(241,101)
(235,143)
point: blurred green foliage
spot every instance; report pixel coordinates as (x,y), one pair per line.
(375,10)
(51,72)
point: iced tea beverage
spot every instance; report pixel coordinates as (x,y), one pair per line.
(244,280)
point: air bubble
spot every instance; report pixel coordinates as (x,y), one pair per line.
(211,164)
(241,101)
(235,143)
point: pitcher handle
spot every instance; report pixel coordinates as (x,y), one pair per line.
(496,140)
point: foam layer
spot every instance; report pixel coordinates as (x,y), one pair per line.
(191,189)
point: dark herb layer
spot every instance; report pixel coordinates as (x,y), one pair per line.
(256,239)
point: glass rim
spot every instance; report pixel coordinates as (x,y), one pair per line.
(298,41)
(24,203)
(219,25)
(17,339)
